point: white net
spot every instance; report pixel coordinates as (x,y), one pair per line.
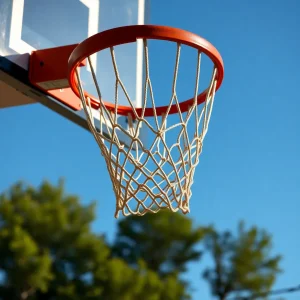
(159,174)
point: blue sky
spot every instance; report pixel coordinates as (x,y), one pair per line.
(250,165)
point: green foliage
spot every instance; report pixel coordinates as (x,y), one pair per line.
(48,251)
(165,241)
(127,283)
(45,243)
(242,264)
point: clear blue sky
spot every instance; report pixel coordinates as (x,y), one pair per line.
(250,166)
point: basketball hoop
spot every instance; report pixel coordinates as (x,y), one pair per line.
(147,178)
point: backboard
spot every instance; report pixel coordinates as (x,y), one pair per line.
(29,25)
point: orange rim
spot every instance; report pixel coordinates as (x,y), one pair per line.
(129,34)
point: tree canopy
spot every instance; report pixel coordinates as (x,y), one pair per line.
(48,251)
(243,264)
(166,241)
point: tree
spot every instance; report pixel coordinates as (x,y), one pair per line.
(128,283)
(46,246)
(48,251)
(243,264)
(166,241)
